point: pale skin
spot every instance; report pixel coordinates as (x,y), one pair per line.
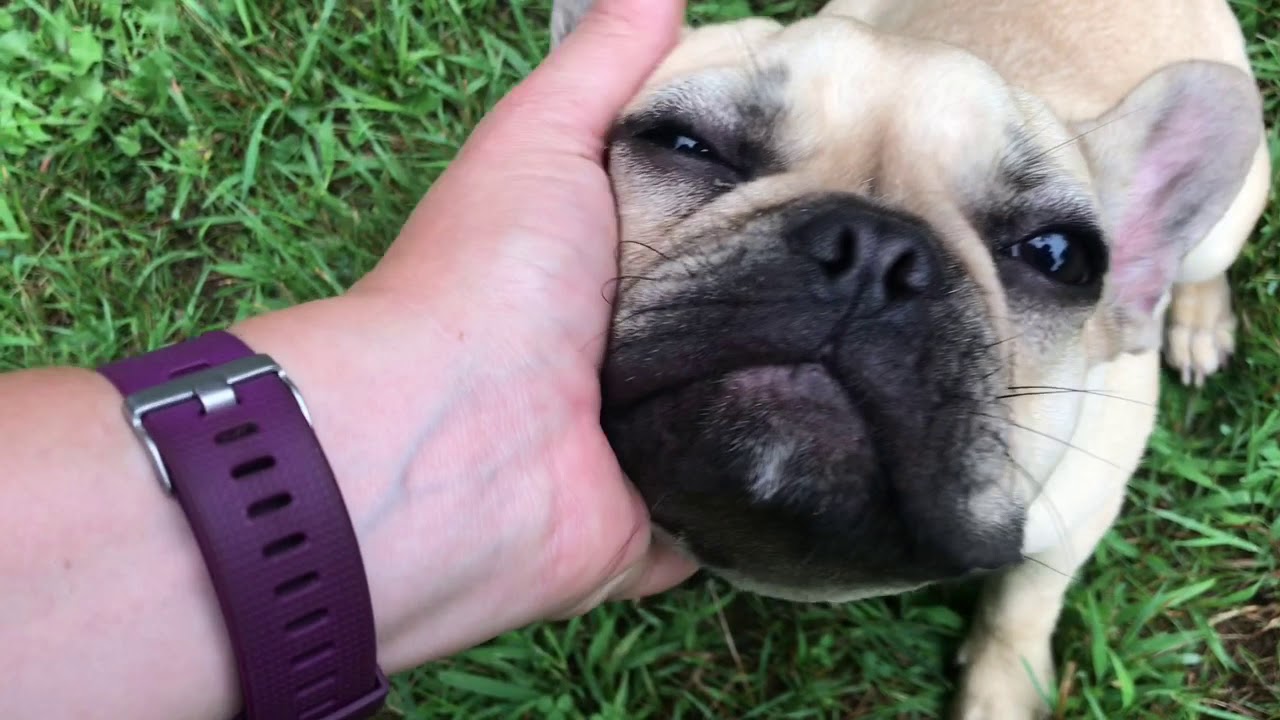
(455,391)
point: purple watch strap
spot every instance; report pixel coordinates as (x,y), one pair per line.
(272,526)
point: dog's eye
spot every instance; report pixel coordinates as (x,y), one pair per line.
(1064,255)
(678,140)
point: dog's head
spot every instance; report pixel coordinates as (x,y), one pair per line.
(855,271)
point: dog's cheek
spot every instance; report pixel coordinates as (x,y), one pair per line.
(653,200)
(1043,396)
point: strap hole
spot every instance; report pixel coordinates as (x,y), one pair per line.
(284,545)
(188,369)
(312,656)
(297,626)
(296,585)
(314,686)
(268,505)
(238,432)
(256,465)
(320,710)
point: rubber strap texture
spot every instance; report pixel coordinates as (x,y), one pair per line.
(276,537)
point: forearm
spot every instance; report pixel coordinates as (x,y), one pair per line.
(106,608)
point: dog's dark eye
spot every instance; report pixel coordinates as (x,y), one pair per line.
(1065,255)
(679,140)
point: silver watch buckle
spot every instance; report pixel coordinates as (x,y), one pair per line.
(215,389)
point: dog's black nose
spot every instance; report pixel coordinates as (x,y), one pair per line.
(855,251)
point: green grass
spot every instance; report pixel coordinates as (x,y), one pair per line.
(167,167)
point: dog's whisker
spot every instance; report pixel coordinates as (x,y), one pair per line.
(617,281)
(1009,339)
(1080,136)
(700,304)
(633,278)
(1049,436)
(1038,488)
(991,374)
(1040,393)
(1047,566)
(1038,496)
(1036,485)
(1054,389)
(650,248)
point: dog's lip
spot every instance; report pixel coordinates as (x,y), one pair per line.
(811,382)
(634,376)
(803,379)
(622,394)
(636,372)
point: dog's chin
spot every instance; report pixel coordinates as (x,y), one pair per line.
(787,411)
(768,433)
(764,408)
(785,481)
(770,477)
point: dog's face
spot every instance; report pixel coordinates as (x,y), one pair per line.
(857,274)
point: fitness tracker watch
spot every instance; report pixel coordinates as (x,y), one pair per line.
(230,438)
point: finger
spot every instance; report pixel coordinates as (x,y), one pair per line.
(586,81)
(662,568)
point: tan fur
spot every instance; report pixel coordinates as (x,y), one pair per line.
(866,126)
(909,101)
(1082,57)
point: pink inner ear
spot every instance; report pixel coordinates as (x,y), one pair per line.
(1147,246)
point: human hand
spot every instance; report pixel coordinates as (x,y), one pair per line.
(456,387)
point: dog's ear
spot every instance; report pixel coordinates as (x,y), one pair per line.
(565,16)
(1168,161)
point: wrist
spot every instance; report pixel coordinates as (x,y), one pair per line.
(232,442)
(395,412)
(352,400)
(463,462)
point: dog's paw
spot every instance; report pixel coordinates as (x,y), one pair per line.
(1201,334)
(1004,680)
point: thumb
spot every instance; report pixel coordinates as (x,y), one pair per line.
(585,82)
(661,568)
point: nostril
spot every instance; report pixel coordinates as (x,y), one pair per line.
(836,256)
(907,275)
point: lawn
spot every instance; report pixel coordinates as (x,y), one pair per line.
(167,167)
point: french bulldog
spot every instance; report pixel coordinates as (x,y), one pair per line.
(894,285)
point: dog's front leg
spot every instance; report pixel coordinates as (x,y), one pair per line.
(1202,329)
(1200,334)
(1008,662)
